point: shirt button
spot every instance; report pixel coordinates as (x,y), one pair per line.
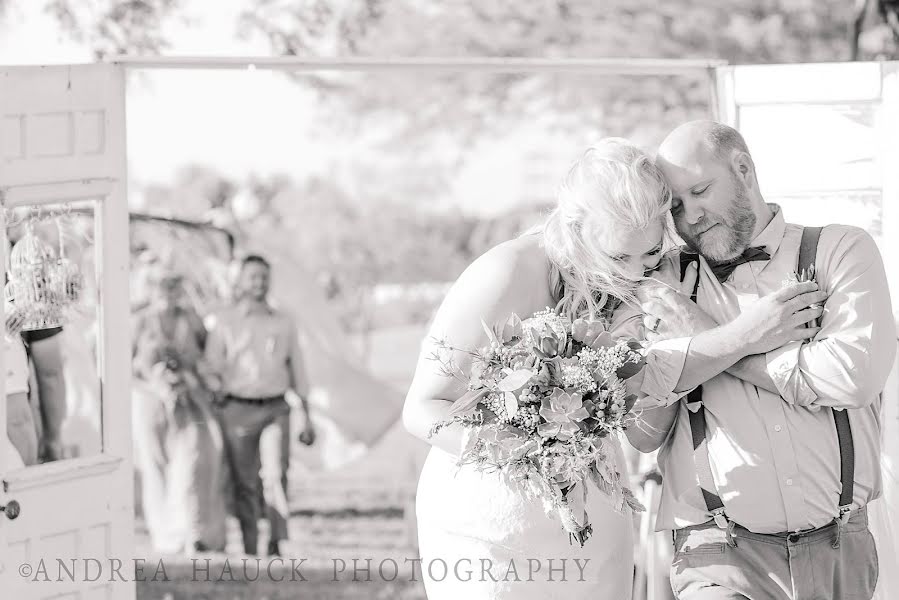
(778,428)
(789,482)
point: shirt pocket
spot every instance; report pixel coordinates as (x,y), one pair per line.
(272,346)
(706,548)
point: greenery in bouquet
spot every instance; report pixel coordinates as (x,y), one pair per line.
(543,400)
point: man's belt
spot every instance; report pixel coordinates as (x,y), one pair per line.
(254,401)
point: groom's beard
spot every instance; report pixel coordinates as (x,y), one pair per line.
(732,234)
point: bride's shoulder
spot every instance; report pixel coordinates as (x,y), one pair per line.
(520,259)
(510,277)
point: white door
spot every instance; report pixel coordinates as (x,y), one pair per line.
(62,141)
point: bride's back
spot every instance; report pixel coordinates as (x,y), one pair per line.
(517,272)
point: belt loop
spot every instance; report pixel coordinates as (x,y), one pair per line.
(731,539)
(723,522)
(839,535)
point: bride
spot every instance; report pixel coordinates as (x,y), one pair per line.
(479,536)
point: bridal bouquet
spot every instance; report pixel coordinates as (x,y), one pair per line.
(543,399)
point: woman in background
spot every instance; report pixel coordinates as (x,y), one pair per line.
(178,443)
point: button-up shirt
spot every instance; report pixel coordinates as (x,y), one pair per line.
(255,351)
(775,458)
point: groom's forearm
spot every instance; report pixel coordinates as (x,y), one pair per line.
(711,353)
(754,369)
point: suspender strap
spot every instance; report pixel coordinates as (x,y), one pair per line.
(701,458)
(847,459)
(808,249)
(698,427)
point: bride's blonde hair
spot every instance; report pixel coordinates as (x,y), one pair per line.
(614,185)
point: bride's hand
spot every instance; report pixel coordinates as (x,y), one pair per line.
(669,313)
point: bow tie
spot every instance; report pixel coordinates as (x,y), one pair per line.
(723,270)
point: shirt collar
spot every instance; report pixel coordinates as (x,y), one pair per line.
(771,237)
(248,308)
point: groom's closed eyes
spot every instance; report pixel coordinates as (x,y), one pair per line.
(697,191)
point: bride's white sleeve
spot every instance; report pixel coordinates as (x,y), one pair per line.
(664,359)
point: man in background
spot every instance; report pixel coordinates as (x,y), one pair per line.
(254,351)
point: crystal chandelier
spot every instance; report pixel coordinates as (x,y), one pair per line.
(41,284)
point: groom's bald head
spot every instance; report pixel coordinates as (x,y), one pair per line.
(715,202)
(701,141)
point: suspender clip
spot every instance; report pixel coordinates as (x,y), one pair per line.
(845,513)
(727,525)
(720,518)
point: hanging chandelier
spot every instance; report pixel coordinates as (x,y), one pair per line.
(41,283)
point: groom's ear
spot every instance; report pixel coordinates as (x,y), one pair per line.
(744,167)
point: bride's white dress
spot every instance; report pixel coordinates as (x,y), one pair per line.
(480,524)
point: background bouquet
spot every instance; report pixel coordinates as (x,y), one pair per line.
(543,400)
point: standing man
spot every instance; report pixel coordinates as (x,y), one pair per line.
(775,450)
(254,351)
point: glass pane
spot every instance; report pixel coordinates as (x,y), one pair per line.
(53,389)
(860,208)
(813,147)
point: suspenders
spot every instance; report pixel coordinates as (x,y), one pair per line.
(807,251)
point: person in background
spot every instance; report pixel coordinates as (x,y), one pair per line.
(35,387)
(48,395)
(34,416)
(178,444)
(20,425)
(254,350)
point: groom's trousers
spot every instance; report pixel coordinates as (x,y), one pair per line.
(781,566)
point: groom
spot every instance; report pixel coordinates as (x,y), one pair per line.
(773,455)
